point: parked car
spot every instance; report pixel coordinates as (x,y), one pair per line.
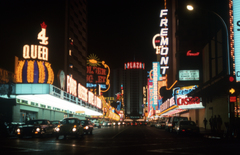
(38,127)
(12,127)
(160,124)
(174,120)
(87,126)
(187,127)
(168,124)
(55,123)
(69,126)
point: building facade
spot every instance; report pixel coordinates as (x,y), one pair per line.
(134,79)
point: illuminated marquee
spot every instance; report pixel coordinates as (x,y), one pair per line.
(82,92)
(235,36)
(164,41)
(134,65)
(155,82)
(35,71)
(97,75)
(71,86)
(37,51)
(187,102)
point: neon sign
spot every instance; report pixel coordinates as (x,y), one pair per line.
(71,86)
(164,41)
(134,65)
(32,71)
(155,82)
(234,13)
(189,53)
(97,75)
(37,51)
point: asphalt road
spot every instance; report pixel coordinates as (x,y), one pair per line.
(121,140)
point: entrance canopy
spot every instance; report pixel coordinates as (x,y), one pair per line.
(54,98)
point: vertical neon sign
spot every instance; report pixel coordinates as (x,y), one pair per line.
(164,41)
(235,43)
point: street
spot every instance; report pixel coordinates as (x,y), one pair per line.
(121,140)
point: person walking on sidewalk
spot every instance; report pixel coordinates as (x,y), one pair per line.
(211,123)
(215,123)
(205,123)
(219,124)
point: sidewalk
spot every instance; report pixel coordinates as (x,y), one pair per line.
(211,134)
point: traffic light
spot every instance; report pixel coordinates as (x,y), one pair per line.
(232,88)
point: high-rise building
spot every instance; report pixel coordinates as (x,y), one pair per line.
(66,31)
(135,78)
(75,46)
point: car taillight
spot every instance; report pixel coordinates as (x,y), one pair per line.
(183,130)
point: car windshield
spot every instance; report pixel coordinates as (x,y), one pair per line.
(33,122)
(176,119)
(69,121)
(83,122)
(191,123)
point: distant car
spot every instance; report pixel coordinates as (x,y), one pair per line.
(168,124)
(38,127)
(186,127)
(134,123)
(105,123)
(69,126)
(87,126)
(97,124)
(160,124)
(174,120)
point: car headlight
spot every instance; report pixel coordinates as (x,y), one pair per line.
(38,129)
(18,131)
(86,127)
(74,129)
(57,129)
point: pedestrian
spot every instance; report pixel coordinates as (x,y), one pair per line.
(219,123)
(215,123)
(211,123)
(205,123)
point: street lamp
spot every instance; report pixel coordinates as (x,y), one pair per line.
(191,8)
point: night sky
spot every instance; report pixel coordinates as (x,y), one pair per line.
(118,31)
(122,31)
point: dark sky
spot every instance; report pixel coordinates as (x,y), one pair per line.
(121,31)
(118,31)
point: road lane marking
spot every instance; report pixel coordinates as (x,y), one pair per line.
(119,133)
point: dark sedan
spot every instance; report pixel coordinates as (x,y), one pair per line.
(87,126)
(34,128)
(187,127)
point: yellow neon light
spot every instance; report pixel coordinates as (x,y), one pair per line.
(107,79)
(232,91)
(175,106)
(19,71)
(92,60)
(30,71)
(41,74)
(172,85)
(50,73)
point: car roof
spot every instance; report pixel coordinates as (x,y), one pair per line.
(71,118)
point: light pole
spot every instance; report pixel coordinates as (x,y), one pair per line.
(191,8)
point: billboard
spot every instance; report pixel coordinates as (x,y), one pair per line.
(188,75)
(187,102)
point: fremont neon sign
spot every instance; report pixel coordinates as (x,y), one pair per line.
(164,41)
